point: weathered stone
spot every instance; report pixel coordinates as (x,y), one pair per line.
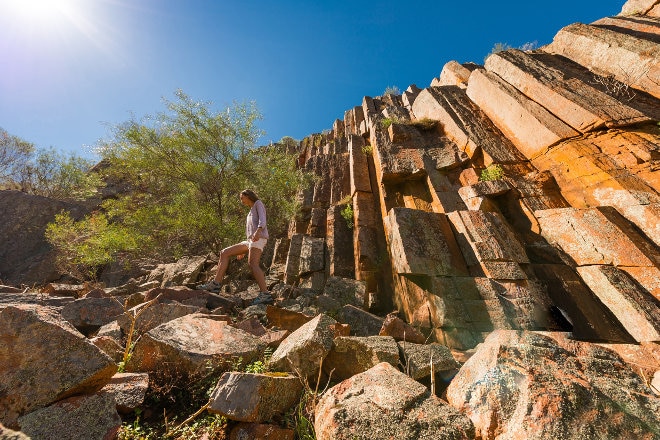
(358,165)
(340,242)
(55,289)
(589,318)
(286,319)
(10,289)
(417,359)
(44,359)
(527,124)
(596,236)
(184,271)
(181,294)
(563,90)
(248,397)
(303,350)
(352,355)
(527,385)
(631,60)
(466,124)
(346,291)
(149,315)
(486,237)
(400,330)
(79,417)
(423,243)
(128,390)
(249,431)
(312,255)
(455,74)
(632,7)
(274,338)
(385,403)
(111,330)
(191,343)
(252,326)
(292,268)
(278,264)
(88,314)
(109,346)
(362,322)
(25,255)
(638,311)
(647,277)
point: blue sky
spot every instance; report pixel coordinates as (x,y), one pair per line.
(72,68)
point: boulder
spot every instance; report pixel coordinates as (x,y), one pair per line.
(400,330)
(522,384)
(346,290)
(189,344)
(286,319)
(383,403)
(128,390)
(362,323)
(249,397)
(89,314)
(182,294)
(149,315)
(109,346)
(44,359)
(303,350)
(56,289)
(80,417)
(417,359)
(185,271)
(351,355)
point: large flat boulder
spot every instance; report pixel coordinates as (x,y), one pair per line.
(383,403)
(44,359)
(532,385)
(351,355)
(191,343)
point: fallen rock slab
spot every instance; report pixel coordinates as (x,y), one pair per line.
(79,417)
(248,397)
(189,344)
(383,403)
(522,384)
(304,349)
(44,359)
(128,390)
(418,358)
(89,314)
(352,355)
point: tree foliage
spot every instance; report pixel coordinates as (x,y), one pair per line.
(185,168)
(44,172)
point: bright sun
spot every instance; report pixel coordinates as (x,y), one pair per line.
(40,12)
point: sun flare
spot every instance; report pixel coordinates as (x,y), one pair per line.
(40,12)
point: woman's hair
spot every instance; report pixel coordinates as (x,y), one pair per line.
(249,194)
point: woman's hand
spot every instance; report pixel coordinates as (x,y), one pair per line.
(257,235)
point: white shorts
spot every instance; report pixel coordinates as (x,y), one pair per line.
(259,244)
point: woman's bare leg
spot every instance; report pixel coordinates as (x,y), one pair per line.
(254,257)
(225,256)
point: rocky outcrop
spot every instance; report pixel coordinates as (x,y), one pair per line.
(25,255)
(385,403)
(517,382)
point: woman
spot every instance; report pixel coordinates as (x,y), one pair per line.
(257,236)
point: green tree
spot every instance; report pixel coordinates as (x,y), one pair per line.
(185,168)
(53,174)
(14,155)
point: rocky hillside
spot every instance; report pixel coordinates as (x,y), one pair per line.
(479,259)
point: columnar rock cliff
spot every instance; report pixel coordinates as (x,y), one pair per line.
(561,232)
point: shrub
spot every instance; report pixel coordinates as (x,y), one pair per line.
(492,172)
(392,90)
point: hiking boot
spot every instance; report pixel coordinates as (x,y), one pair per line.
(211,286)
(263,298)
